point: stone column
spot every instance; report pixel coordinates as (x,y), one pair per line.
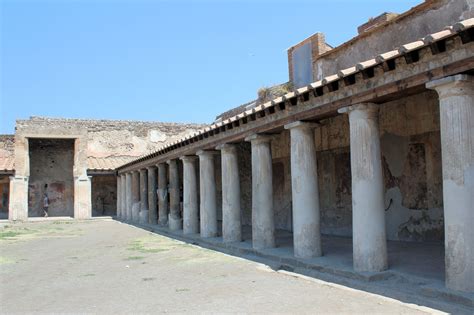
(369,240)
(152,209)
(119,196)
(143,217)
(135,196)
(456,101)
(208,207)
(263,222)
(129,199)
(162,195)
(174,221)
(18,205)
(82,182)
(190,196)
(305,191)
(231,211)
(123,215)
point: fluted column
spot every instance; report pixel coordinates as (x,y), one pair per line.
(263,222)
(135,196)
(208,206)
(305,191)
(190,196)
(368,213)
(231,211)
(119,197)
(162,194)
(152,208)
(124,197)
(175,221)
(128,178)
(456,101)
(143,196)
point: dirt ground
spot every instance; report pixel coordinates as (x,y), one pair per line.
(112,268)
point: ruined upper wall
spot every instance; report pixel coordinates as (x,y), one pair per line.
(428,17)
(7,153)
(110,143)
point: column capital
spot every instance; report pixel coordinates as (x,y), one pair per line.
(369,107)
(259,138)
(460,84)
(188,158)
(151,167)
(205,153)
(169,162)
(302,124)
(226,147)
(142,170)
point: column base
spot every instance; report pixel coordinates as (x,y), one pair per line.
(143,217)
(175,224)
(163,222)
(135,213)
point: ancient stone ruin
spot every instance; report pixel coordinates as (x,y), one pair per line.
(371,140)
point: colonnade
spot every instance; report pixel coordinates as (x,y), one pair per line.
(369,237)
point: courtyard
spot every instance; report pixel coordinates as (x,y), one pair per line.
(104,266)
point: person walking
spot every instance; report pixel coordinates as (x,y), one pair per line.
(45,204)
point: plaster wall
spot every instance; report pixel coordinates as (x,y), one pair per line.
(51,172)
(104,195)
(4,196)
(411,163)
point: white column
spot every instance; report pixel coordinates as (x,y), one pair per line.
(162,195)
(135,196)
(129,199)
(143,218)
(263,222)
(190,196)
(305,191)
(208,207)
(123,215)
(175,221)
(152,197)
(18,204)
(368,214)
(119,197)
(231,211)
(456,100)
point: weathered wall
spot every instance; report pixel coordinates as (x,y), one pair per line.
(51,172)
(411,160)
(245,173)
(98,145)
(411,157)
(104,195)
(4,196)
(429,18)
(7,152)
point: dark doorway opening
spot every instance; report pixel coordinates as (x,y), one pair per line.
(51,173)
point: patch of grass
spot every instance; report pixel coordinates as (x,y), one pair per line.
(5,260)
(182,290)
(88,275)
(147,245)
(9,234)
(135,257)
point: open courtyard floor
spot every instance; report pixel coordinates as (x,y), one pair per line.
(104,266)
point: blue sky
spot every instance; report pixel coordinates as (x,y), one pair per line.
(174,61)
